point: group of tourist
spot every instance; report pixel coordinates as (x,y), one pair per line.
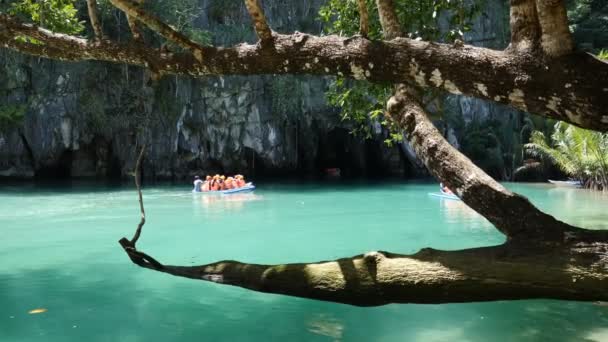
(444,189)
(218,183)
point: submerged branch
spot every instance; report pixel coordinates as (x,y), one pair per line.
(137,176)
(138,257)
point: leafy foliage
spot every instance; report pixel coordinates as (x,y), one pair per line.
(360,102)
(181,15)
(55,15)
(420,19)
(364,103)
(589,23)
(11,116)
(580,153)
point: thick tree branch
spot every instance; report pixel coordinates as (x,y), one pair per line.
(503,272)
(510,213)
(388,19)
(526,83)
(94,18)
(133,10)
(363,18)
(525,29)
(556,39)
(259,20)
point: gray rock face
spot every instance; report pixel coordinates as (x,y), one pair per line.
(87,119)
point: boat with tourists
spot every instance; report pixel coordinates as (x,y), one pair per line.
(443,195)
(568,183)
(248,187)
(222,185)
(444,192)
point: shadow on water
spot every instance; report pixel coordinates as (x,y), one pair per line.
(75,269)
(105,302)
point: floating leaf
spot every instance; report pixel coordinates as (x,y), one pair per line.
(37,311)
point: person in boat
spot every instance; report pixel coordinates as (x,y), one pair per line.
(240,181)
(206,184)
(230,183)
(445,189)
(198,184)
(215,186)
(222,182)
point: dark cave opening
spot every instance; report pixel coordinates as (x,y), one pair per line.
(61,169)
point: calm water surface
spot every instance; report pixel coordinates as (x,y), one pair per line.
(59,251)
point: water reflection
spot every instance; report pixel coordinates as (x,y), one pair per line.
(458,212)
(325,325)
(48,264)
(229,203)
(583,202)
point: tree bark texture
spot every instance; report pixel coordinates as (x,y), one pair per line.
(135,12)
(388,19)
(259,20)
(506,272)
(556,39)
(525,29)
(94,18)
(363,18)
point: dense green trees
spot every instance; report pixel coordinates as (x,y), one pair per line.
(580,153)
(364,103)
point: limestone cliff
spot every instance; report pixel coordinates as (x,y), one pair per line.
(85,119)
(82,119)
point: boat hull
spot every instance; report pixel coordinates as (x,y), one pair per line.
(246,188)
(571,184)
(446,196)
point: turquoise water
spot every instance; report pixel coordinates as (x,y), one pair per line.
(59,251)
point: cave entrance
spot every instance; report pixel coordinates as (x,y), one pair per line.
(358,157)
(256,166)
(61,169)
(340,150)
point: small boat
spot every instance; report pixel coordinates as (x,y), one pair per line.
(570,183)
(245,188)
(444,195)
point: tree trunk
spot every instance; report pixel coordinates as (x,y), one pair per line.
(572,271)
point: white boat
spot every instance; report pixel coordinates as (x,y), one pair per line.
(446,196)
(245,188)
(570,183)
